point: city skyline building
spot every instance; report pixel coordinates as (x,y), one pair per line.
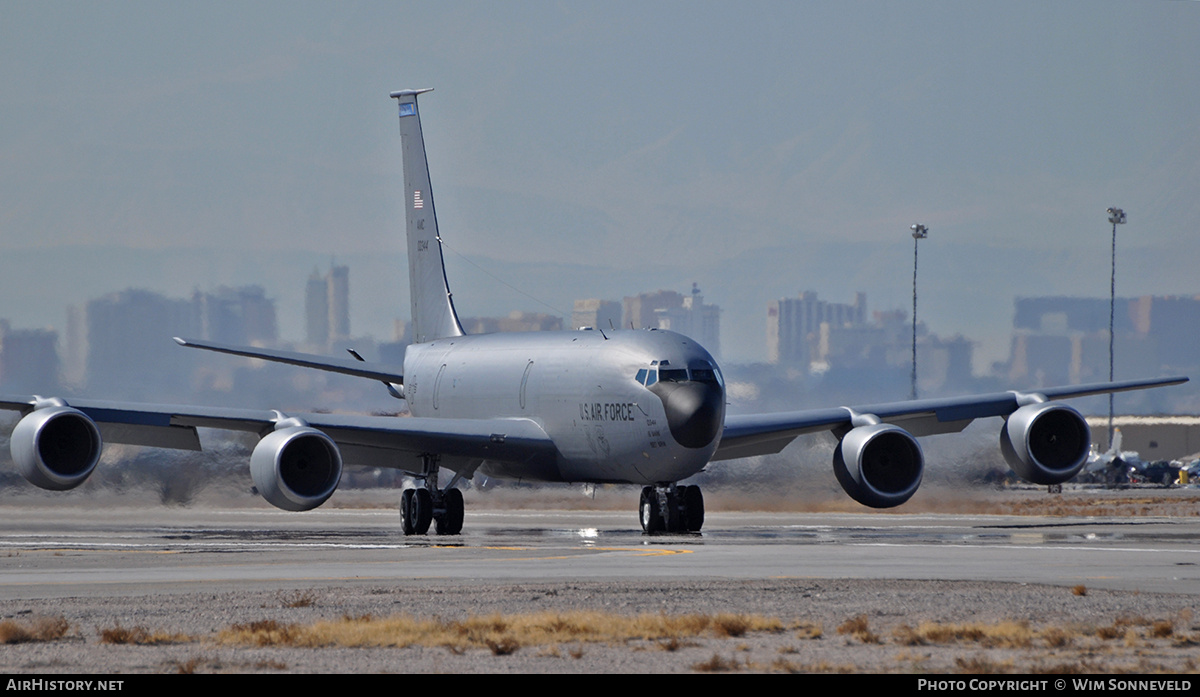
(596,313)
(327,307)
(667,309)
(28,359)
(794,324)
(1065,340)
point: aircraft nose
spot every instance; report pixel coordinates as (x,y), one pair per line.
(695,410)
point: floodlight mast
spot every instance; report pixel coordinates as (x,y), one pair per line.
(919,232)
(1116,216)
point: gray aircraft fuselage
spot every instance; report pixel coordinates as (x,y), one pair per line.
(636,406)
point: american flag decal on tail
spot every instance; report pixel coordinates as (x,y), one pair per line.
(418,202)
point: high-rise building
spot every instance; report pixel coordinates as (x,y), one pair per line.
(130,352)
(327,307)
(596,313)
(667,309)
(794,325)
(236,315)
(1062,340)
(339,303)
(516,321)
(316,310)
(28,360)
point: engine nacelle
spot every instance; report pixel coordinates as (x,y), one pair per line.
(56,447)
(879,465)
(1045,443)
(296,468)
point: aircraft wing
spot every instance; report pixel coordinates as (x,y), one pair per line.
(763,434)
(390,375)
(376,441)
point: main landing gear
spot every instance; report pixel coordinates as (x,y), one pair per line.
(427,504)
(670,508)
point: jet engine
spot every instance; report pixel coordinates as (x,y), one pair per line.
(296,468)
(879,465)
(56,447)
(1045,443)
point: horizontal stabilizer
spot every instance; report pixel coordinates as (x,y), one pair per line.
(373,371)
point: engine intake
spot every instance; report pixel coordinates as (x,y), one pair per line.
(1045,443)
(56,448)
(296,468)
(879,465)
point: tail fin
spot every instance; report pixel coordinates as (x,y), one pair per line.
(433,315)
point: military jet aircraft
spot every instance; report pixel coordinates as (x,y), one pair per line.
(640,407)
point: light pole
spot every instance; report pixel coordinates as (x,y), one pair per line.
(919,232)
(1116,216)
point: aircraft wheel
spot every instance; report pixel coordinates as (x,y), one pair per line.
(673,520)
(406,511)
(451,522)
(648,511)
(422,511)
(693,508)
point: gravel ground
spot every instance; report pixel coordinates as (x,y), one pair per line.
(1068,626)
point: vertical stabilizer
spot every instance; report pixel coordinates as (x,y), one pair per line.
(433,315)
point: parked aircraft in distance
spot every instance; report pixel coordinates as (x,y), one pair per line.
(641,407)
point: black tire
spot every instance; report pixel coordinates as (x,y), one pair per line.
(672,518)
(693,508)
(406,511)
(451,522)
(648,512)
(422,508)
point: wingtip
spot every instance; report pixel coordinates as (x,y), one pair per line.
(181,342)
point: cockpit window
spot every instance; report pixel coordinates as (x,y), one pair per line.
(647,377)
(704,373)
(673,375)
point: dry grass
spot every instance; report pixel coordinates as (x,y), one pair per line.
(501,634)
(982,665)
(716,664)
(140,636)
(1080,590)
(782,665)
(298,599)
(35,629)
(1161,629)
(1057,638)
(1005,634)
(858,628)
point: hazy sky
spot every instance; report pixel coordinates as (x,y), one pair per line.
(602,149)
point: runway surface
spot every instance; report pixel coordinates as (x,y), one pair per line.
(58,550)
